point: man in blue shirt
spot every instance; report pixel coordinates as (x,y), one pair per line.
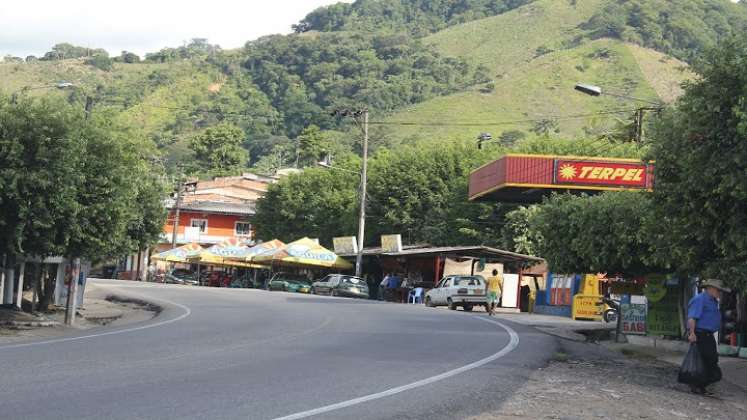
(703,320)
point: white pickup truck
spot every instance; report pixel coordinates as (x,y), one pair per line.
(454,291)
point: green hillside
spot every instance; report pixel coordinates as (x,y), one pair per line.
(433,71)
(536,54)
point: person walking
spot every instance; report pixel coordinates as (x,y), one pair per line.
(703,320)
(493,291)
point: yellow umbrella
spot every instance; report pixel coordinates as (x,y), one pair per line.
(178,255)
(221,254)
(304,252)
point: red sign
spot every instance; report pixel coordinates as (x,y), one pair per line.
(630,175)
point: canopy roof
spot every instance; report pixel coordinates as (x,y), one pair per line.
(179,255)
(303,252)
(224,254)
(262,249)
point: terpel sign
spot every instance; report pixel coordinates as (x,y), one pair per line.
(630,175)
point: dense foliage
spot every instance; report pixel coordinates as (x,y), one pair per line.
(219,151)
(605,233)
(419,17)
(683,28)
(65,51)
(74,187)
(701,168)
(416,191)
(306,77)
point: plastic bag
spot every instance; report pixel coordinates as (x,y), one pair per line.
(692,371)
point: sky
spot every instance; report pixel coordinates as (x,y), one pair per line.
(31,27)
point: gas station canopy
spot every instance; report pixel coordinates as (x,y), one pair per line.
(528,178)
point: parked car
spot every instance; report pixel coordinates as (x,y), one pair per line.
(286,282)
(341,285)
(181,276)
(455,291)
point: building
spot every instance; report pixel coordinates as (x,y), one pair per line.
(207,213)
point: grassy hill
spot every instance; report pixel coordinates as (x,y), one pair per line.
(535,55)
(530,56)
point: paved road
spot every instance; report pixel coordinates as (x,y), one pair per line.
(249,354)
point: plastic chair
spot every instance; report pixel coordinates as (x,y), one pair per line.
(416,296)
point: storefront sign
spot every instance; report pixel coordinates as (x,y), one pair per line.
(391,243)
(629,175)
(664,315)
(345,245)
(633,318)
(587,307)
(626,288)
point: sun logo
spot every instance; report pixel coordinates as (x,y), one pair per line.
(568,171)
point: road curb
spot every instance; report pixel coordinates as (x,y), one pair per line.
(30,324)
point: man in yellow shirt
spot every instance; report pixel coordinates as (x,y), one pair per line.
(493,289)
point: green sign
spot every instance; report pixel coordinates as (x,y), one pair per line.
(664,315)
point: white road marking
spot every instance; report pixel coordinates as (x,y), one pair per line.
(187,312)
(512,344)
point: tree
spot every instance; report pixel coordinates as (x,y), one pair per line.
(700,150)
(101,62)
(421,192)
(519,233)
(606,233)
(318,203)
(73,186)
(312,144)
(129,57)
(219,150)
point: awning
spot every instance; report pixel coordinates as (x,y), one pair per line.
(179,255)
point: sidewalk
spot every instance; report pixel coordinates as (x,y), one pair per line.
(734,369)
(561,326)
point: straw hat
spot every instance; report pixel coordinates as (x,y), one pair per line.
(718,284)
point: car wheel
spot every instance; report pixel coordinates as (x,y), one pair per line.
(452,305)
(467,308)
(428,302)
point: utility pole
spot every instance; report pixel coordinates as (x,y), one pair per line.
(364,184)
(361,117)
(178,203)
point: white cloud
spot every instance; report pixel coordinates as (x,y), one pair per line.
(33,26)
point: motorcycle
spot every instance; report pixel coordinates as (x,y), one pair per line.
(611,311)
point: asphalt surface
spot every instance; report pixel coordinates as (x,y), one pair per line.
(251,354)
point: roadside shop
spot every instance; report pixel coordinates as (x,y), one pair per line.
(421,267)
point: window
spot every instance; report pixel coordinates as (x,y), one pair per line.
(243,229)
(200,223)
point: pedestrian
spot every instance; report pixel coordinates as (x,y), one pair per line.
(703,320)
(493,291)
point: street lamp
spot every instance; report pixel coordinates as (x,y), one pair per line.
(593,90)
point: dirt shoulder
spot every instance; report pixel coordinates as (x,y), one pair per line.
(99,309)
(588,381)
